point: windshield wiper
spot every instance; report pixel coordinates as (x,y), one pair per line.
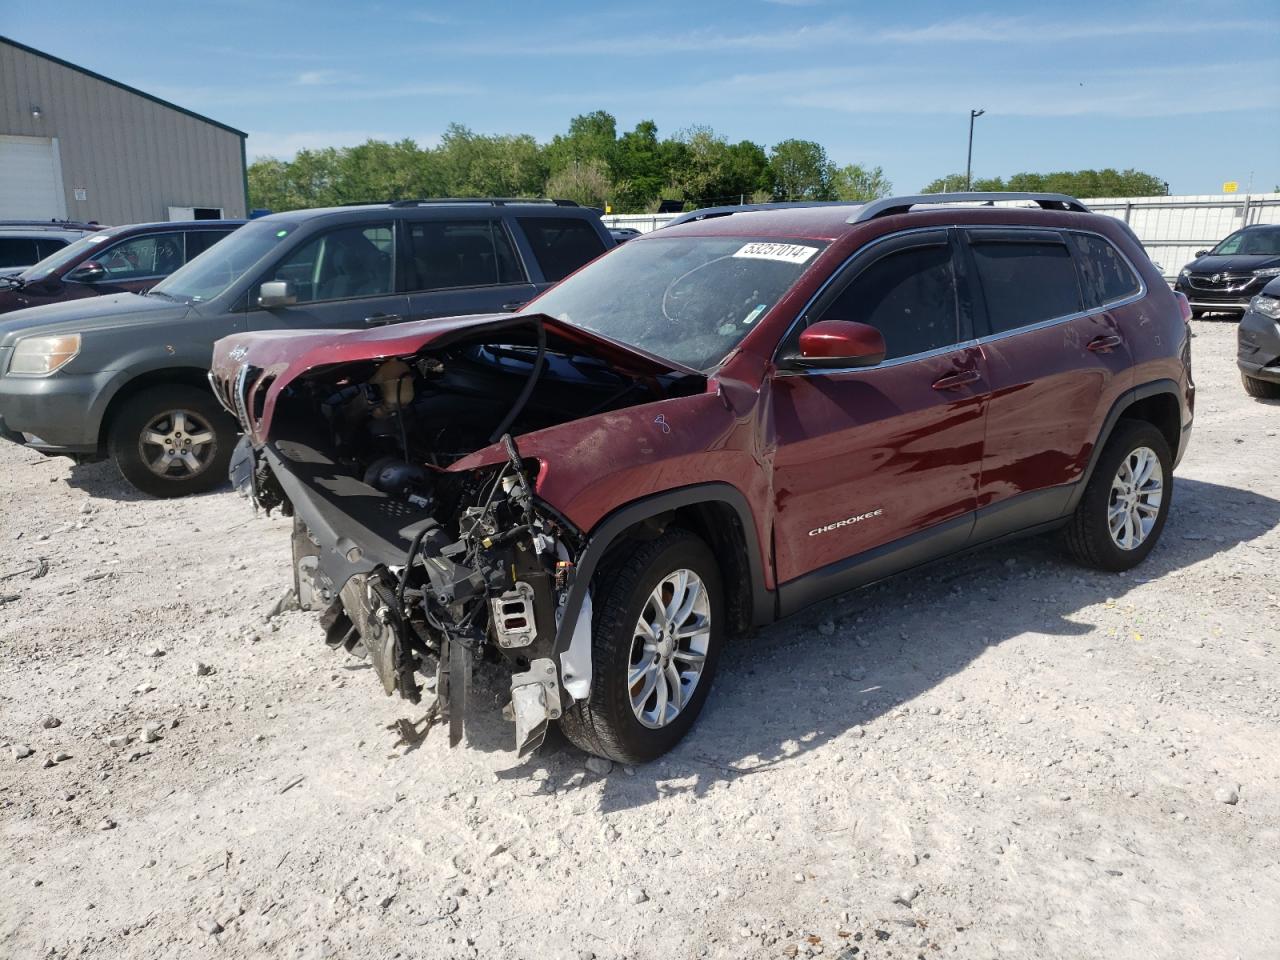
(167,296)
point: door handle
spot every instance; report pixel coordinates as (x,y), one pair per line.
(513,306)
(382,319)
(954,381)
(1104,344)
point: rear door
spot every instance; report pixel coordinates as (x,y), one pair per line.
(463,265)
(1056,359)
(343,278)
(885,456)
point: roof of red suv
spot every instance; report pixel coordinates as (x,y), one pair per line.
(829,221)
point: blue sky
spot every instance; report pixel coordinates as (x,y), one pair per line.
(1188,91)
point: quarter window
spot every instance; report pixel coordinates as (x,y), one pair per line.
(1025,281)
(561,244)
(909,296)
(461,253)
(1105,277)
(18,252)
(155,255)
(357,261)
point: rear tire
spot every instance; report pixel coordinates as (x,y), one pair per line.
(634,714)
(172,441)
(1262,389)
(1126,502)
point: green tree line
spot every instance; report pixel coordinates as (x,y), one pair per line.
(592,163)
(595,165)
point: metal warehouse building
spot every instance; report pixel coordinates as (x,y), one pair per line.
(76,145)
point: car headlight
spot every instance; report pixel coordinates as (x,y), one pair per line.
(1186,272)
(1267,306)
(1267,272)
(43,355)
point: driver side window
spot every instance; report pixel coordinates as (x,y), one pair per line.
(357,261)
(157,255)
(909,296)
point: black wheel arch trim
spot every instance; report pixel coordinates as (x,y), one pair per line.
(1123,403)
(606,532)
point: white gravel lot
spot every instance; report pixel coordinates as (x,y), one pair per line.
(1001,756)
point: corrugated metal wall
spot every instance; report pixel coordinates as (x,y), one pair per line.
(132,157)
(1171,228)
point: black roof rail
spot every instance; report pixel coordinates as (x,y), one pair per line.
(893,205)
(707,213)
(53,224)
(491,201)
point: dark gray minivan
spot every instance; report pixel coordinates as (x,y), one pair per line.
(124,376)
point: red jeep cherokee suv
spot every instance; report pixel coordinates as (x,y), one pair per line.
(707,429)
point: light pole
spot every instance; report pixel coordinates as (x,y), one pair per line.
(968,167)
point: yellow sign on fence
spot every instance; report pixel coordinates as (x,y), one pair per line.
(1231,186)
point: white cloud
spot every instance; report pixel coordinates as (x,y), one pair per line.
(317,78)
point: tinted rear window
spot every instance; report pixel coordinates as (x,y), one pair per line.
(461,253)
(561,244)
(18,252)
(198,241)
(1105,276)
(1025,281)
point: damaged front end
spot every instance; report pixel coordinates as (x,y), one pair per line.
(418,534)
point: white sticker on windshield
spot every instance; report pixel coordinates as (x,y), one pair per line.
(98,239)
(751,317)
(786,252)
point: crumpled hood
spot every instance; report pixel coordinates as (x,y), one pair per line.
(88,314)
(286,355)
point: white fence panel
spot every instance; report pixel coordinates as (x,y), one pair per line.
(1171,228)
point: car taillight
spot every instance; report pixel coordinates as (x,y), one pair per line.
(1184,305)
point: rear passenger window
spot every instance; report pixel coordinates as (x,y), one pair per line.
(909,296)
(47,247)
(461,253)
(198,241)
(561,244)
(1105,276)
(1025,281)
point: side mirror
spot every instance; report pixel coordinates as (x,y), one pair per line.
(88,272)
(838,344)
(276,293)
(1201,253)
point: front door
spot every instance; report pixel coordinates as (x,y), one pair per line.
(344,278)
(1056,359)
(880,462)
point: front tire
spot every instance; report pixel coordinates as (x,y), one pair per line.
(657,631)
(1126,502)
(172,441)
(1262,389)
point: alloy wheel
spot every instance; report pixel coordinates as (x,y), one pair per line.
(1136,493)
(669,648)
(177,444)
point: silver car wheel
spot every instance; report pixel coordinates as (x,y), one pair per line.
(669,648)
(1136,493)
(177,444)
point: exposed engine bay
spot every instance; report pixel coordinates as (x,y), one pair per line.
(422,569)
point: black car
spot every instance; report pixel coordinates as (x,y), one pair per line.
(1226,278)
(1258,355)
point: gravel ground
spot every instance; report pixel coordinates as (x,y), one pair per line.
(1001,756)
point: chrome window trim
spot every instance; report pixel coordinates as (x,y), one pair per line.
(977,341)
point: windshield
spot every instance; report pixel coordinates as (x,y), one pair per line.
(68,254)
(689,299)
(224,263)
(1257,243)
